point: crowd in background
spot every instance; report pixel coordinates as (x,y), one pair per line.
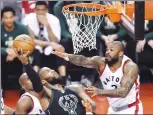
(45,22)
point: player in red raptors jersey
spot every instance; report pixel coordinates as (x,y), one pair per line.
(119,76)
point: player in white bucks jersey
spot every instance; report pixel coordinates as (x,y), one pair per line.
(28,102)
(119,76)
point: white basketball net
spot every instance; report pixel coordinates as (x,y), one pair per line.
(83,28)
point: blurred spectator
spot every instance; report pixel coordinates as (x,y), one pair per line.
(66,40)
(46,27)
(16,5)
(65,33)
(145,47)
(10,29)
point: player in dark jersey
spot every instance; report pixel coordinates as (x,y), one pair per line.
(56,101)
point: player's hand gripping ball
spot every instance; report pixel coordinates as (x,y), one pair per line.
(24,42)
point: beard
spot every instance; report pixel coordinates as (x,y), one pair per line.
(55,81)
(112,61)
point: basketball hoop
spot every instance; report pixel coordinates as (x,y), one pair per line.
(84,20)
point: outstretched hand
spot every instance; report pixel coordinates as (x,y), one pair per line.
(62,55)
(93,90)
(22,55)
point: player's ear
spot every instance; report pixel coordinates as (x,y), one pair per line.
(121,53)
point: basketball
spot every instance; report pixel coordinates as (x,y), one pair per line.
(24,42)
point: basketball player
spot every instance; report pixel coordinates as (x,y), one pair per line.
(119,76)
(4,108)
(52,80)
(56,101)
(28,102)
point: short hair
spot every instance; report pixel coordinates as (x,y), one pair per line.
(22,77)
(42,3)
(7,9)
(120,44)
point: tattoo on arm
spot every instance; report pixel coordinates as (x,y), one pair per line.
(127,82)
(80,60)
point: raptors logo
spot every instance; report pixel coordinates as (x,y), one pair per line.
(69,103)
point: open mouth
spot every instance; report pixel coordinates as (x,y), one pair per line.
(107,57)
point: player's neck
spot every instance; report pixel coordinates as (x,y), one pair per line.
(32,92)
(116,65)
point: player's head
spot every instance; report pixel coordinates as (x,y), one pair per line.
(25,82)
(114,52)
(8,16)
(41,8)
(49,75)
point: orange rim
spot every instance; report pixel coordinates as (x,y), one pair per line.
(102,9)
(113,11)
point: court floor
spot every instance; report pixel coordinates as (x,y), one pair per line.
(146,96)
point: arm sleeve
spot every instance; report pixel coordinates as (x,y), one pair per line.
(35,79)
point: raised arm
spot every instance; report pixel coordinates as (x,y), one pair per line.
(128,80)
(33,76)
(35,79)
(94,62)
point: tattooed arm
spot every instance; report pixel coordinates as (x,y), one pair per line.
(96,62)
(129,77)
(80,60)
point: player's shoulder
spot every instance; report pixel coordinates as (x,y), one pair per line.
(130,65)
(100,61)
(24,100)
(128,61)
